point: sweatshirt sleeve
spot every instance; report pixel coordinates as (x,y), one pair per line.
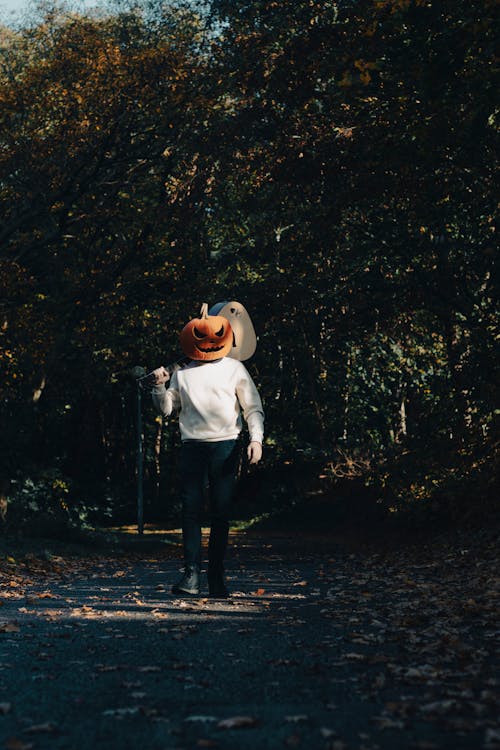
(165,400)
(251,404)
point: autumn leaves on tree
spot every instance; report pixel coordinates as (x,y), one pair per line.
(334,172)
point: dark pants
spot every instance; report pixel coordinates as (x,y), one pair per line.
(217,462)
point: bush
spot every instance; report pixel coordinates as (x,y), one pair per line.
(46,504)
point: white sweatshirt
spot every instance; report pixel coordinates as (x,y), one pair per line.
(209,395)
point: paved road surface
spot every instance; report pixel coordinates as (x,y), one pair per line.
(318,648)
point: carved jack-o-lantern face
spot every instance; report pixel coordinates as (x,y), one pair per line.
(207,337)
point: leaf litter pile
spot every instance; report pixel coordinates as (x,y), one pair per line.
(317,648)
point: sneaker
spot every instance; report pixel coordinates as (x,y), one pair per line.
(216,585)
(190,581)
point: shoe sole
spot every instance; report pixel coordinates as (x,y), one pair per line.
(189,592)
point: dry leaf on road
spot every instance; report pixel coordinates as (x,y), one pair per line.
(46,728)
(238,722)
(9,627)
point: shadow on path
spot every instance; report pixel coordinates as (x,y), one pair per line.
(316,648)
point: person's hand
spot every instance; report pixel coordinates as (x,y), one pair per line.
(254,452)
(161,375)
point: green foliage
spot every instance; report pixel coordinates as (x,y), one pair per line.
(47,504)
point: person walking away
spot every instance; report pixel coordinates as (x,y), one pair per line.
(210,394)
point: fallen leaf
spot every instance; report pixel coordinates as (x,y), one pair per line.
(107,667)
(327,733)
(147,711)
(119,713)
(439,707)
(379,681)
(9,627)
(384,722)
(13,743)
(46,728)
(238,722)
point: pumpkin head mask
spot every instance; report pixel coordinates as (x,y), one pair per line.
(206,338)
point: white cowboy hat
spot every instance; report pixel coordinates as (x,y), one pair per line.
(244,338)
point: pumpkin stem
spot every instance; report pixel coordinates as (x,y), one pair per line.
(204,310)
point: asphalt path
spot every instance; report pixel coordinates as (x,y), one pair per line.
(318,647)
